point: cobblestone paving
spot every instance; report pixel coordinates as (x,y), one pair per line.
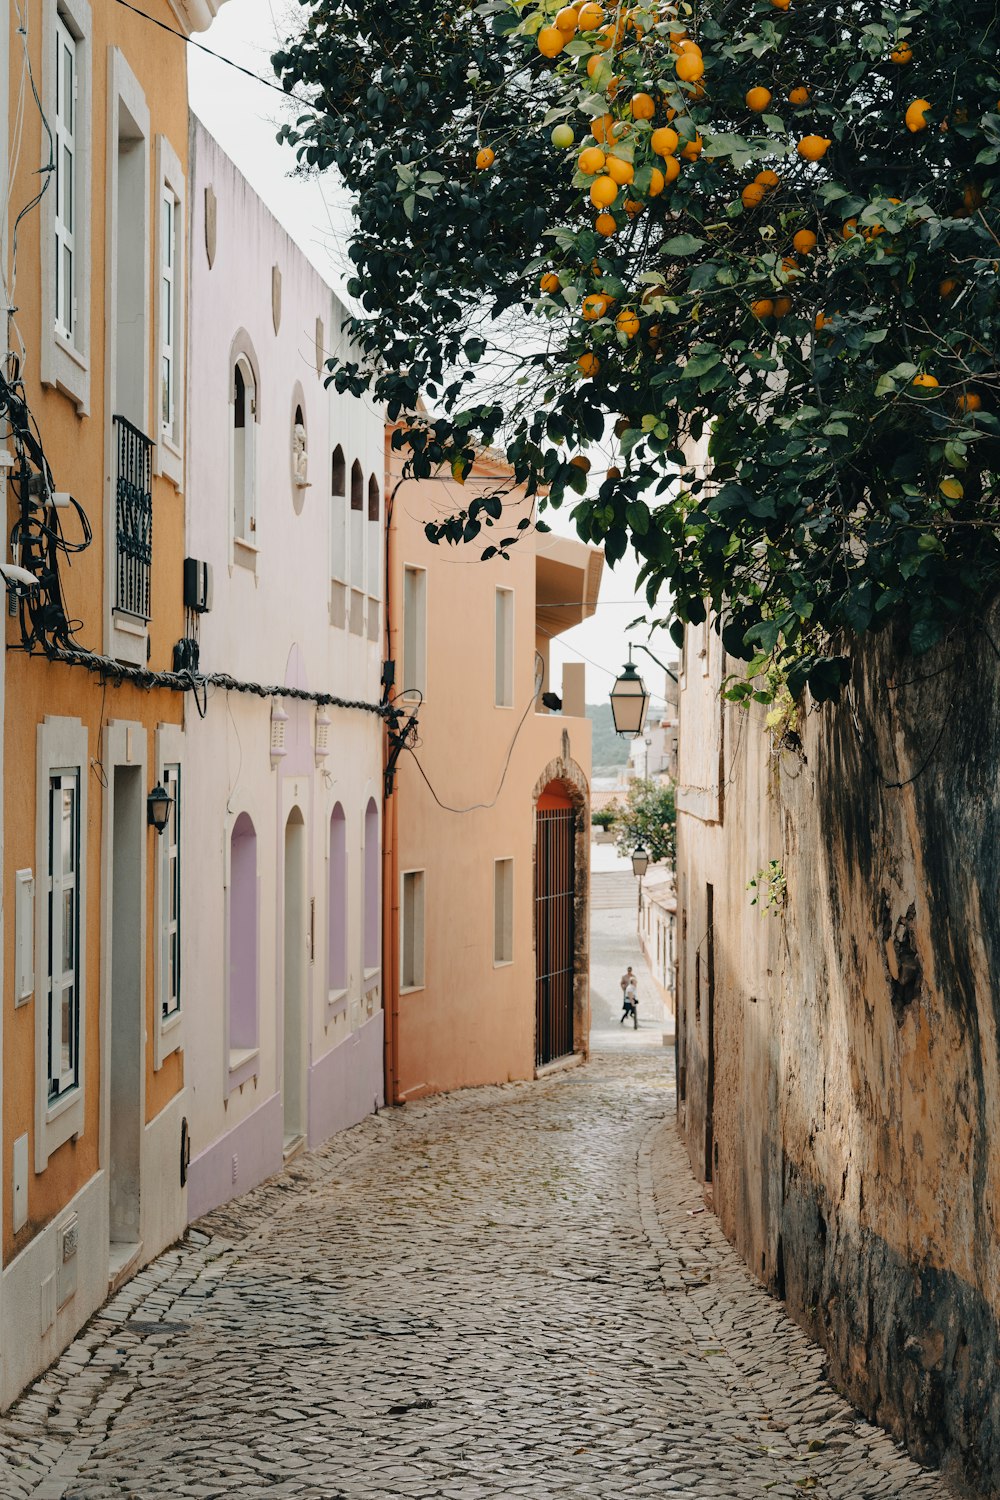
(502,1292)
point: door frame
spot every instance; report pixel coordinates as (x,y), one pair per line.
(123,744)
(574,783)
(297,800)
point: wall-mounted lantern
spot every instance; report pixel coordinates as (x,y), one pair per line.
(158,805)
(629,701)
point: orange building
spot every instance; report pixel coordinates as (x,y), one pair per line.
(93,1010)
(487,827)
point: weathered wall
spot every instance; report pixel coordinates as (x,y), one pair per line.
(847,1114)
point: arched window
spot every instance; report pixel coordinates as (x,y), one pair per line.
(243,968)
(372,945)
(300,453)
(374,523)
(243,446)
(337,903)
(338,472)
(357,526)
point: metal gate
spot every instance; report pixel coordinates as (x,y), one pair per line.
(554,882)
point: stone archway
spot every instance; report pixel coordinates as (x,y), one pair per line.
(562,785)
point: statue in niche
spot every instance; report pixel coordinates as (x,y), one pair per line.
(300,458)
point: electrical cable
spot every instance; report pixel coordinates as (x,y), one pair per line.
(220,57)
(481,806)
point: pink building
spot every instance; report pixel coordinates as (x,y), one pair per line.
(488,827)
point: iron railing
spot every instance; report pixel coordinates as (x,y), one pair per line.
(554,934)
(133,519)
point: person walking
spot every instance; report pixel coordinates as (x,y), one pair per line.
(630,998)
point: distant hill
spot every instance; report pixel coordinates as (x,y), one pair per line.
(610,751)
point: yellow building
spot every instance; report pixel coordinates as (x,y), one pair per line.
(487,829)
(93,1008)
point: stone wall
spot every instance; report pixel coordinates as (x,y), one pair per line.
(839,1074)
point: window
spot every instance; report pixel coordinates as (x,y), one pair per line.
(414,630)
(504,649)
(338,516)
(336,921)
(372,905)
(503,911)
(65,208)
(243,966)
(244,421)
(338,472)
(300,450)
(66,181)
(357,526)
(60,934)
(411,967)
(63,951)
(169,310)
(374,527)
(170,898)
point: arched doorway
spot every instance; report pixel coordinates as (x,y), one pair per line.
(555,936)
(295,967)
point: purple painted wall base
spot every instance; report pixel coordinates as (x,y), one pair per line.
(346,1084)
(256,1143)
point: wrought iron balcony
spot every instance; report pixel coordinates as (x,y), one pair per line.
(133,519)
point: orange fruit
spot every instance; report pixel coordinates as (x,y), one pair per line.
(595,305)
(610,37)
(657,182)
(925,382)
(820,321)
(550,284)
(970,401)
(687,45)
(691,150)
(804,241)
(590,17)
(594,63)
(591,160)
(605,128)
(790,266)
(781,4)
(671,168)
(613,473)
(972,197)
(664,141)
(632,206)
(619,171)
(603,192)
(551,41)
(948,287)
(850,227)
(758,99)
(642,106)
(798,95)
(813,147)
(782,306)
(689,67)
(762,308)
(588,364)
(767,179)
(566,19)
(485,159)
(581,463)
(627,322)
(916,115)
(752,195)
(606,224)
(901,54)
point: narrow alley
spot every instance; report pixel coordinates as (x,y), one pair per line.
(505,1291)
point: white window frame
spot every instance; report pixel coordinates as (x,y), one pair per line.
(169,332)
(501,959)
(168,1030)
(415,636)
(503,650)
(64,354)
(339,562)
(420,980)
(61,751)
(243,526)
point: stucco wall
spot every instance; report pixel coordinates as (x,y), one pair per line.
(856,1080)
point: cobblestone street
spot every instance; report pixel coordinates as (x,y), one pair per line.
(508,1291)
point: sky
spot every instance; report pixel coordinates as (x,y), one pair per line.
(244,116)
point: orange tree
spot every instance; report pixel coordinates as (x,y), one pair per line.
(751,246)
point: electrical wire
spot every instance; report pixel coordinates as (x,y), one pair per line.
(481,806)
(220,57)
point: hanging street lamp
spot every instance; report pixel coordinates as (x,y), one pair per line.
(629,701)
(640,862)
